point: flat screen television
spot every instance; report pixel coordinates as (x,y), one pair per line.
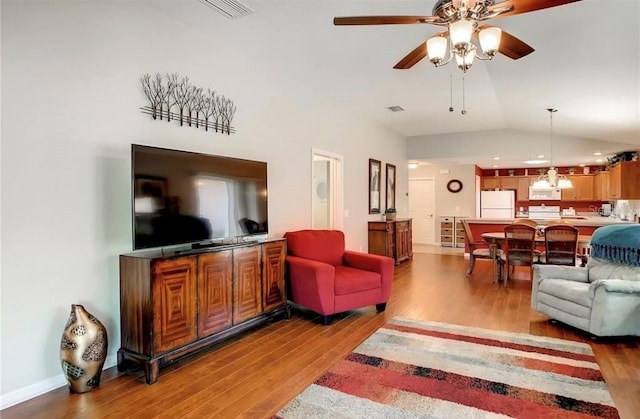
(184,197)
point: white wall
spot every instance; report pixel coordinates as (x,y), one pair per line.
(71,93)
(447,203)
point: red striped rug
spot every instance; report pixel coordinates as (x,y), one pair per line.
(410,369)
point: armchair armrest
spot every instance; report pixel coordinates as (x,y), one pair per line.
(615,285)
(312,283)
(367,261)
(570,273)
(382,265)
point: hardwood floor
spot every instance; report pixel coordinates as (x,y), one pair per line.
(256,374)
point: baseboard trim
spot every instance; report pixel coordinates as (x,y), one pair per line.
(34,390)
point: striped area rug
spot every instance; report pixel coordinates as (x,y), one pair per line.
(416,369)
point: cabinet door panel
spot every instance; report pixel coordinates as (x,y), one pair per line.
(214,292)
(490,183)
(174,301)
(273,292)
(510,182)
(522,193)
(247,288)
(584,188)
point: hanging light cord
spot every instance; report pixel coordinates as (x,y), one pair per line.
(464,108)
(551,111)
(450,92)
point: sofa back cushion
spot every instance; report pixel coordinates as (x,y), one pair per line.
(320,245)
(605,269)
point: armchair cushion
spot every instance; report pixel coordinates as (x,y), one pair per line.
(322,245)
(351,280)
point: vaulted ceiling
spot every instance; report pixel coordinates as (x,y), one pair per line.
(586,64)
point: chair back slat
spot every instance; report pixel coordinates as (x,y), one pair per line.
(561,244)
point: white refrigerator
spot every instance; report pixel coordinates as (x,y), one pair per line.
(497,204)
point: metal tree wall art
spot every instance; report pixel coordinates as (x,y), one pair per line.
(175,98)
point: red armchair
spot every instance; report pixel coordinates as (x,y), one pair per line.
(327,279)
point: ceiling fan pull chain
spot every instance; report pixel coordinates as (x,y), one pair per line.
(464,107)
(450,92)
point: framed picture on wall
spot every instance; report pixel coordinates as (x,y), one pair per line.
(375,170)
(390,201)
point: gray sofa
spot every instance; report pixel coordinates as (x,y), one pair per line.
(602,298)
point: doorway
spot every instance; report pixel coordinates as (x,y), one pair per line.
(422,203)
(326,190)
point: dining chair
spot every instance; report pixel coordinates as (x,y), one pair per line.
(526,221)
(533,223)
(520,240)
(560,245)
(479,249)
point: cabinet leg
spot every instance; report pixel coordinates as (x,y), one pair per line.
(381,307)
(121,367)
(287,312)
(326,320)
(151,371)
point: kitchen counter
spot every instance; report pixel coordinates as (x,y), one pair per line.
(575,220)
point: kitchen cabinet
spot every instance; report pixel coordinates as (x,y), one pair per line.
(601,186)
(490,183)
(624,180)
(582,188)
(505,182)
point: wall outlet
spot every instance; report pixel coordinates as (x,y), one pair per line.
(457,209)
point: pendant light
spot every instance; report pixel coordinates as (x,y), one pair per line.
(552,179)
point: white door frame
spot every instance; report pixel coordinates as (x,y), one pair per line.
(336,187)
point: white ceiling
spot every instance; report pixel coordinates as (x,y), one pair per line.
(586,64)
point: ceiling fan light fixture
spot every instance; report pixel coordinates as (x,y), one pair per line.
(469,4)
(460,32)
(465,62)
(490,40)
(437,49)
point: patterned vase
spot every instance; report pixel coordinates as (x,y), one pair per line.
(83,350)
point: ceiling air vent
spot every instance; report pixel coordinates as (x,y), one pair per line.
(232,9)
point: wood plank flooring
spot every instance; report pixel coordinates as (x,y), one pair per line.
(254,375)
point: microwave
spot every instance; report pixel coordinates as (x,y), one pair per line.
(544,194)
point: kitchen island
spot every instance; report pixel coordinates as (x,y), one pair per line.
(586,225)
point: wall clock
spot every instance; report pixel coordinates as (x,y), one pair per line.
(454,186)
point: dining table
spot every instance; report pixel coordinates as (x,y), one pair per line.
(497,238)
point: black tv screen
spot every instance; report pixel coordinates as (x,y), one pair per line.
(185,197)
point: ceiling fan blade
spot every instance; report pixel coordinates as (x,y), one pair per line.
(383,20)
(413,57)
(513,47)
(526,6)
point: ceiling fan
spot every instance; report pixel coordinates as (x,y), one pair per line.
(463,20)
